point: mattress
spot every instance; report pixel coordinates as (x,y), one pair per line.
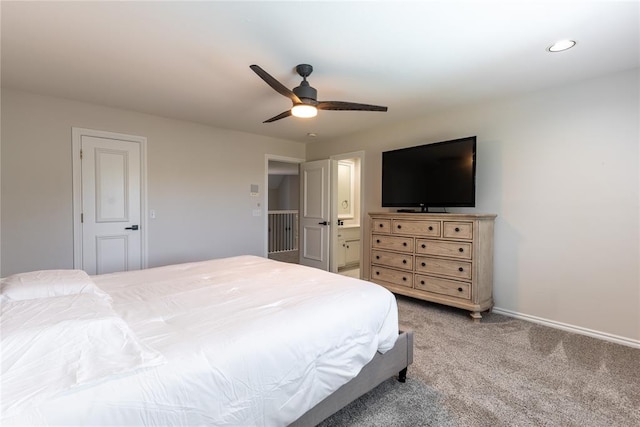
(244,341)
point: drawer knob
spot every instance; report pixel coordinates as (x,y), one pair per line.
(459,289)
(399,226)
(404,261)
(422,282)
(424,264)
(460,250)
(380,225)
(404,243)
(377,273)
(460,269)
(377,240)
(457,229)
(377,256)
(424,246)
(430,228)
(404,278)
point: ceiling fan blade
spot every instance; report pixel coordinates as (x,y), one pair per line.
(340,105)
(276,85)
(278,117)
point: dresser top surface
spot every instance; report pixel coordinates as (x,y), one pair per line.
(436,216)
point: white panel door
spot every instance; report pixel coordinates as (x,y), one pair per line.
(315,214)
(111,207)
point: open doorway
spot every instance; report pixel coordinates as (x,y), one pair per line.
(283,197)
(283,201)
(349,208)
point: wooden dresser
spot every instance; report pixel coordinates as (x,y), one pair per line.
(444,258)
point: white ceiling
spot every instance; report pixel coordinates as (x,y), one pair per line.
(190,60)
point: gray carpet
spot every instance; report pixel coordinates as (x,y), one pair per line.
(501,372)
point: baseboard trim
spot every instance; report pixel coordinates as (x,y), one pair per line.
(569,328)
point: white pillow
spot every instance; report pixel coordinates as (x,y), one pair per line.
(50,345)
(47,283)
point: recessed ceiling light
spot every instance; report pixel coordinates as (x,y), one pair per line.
(312,135)
(561,45)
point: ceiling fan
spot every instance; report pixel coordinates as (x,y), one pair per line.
(304,97)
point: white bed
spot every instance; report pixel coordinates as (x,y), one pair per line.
(235,341)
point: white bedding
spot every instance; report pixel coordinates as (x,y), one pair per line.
(247,341)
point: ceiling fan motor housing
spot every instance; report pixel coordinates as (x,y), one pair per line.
(306,93)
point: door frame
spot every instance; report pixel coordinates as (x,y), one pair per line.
(363,215)
(363,211)
(265,198)
(76,165)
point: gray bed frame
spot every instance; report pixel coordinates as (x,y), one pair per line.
(382,367)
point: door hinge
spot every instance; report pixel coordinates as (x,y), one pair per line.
(80,154)
(81,218)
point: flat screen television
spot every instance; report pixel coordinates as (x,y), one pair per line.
(437,175)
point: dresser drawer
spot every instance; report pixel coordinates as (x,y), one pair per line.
(392,259)
(396,243)
(416,228)
(396,277)
(458,230)
(443,286)
(443,248)
(458,269)
(381,226)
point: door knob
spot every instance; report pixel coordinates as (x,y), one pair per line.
(323,223)
(133,227)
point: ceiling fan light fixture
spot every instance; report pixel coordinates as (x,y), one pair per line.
(304,111)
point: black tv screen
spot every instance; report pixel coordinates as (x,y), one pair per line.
(441,174)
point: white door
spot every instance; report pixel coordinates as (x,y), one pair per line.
(111,205)
(315,214)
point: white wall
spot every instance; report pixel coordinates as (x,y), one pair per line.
(198,183)
(561,169)
(289,198)
(285,194)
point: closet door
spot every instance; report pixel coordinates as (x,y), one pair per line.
(109,224)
